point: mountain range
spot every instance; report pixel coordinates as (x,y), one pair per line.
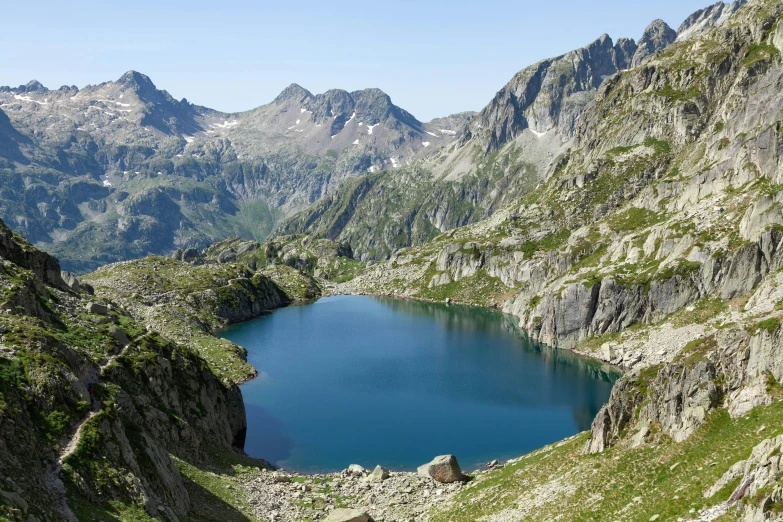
(122,169)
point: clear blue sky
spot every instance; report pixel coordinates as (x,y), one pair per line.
(433,57)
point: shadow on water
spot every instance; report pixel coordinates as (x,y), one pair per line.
(581,372)
(476,319)
(272,442)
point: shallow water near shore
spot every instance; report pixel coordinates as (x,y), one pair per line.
(357,379)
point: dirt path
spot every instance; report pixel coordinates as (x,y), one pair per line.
(70,446)
(55,483)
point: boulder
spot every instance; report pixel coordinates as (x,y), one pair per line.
(75,285)
(72,282)
(355,469)
(248,247)
(379,474)
(442,469)
(120,336)
(348,515)
(229,255)
(97,308)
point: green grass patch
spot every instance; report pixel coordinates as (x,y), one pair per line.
(545,244)
(700,312)
(634,219)
(770,325)
(673,94)
(214,495)
(112,511)
(759,53)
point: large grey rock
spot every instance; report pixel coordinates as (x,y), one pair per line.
(379,474)
(189,255)
(248,247)
(460,261)
(442,469)
(764,213)
(356,469)
(72,281)
(97,308)
(677,398)
(348,515)
(119,335)
(75,285)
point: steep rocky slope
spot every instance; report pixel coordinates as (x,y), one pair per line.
(113,397)
(122,169)
(667,198)
(517,141)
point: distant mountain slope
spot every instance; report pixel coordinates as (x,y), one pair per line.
(516,142)
(122,169)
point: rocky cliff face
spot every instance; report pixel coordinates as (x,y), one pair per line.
(548,95)
(716,15)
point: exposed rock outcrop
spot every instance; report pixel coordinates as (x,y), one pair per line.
(702,20)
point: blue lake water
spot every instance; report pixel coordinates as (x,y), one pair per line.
(354,379)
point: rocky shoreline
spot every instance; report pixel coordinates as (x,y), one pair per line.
(355,494)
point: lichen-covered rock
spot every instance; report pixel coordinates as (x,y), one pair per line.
(442,469)
(97,308)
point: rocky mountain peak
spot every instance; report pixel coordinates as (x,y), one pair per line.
(136,81)
(657,36)
(715,15)
(374,106)
(542,96)
(294,92)
(162,111)
(32,86)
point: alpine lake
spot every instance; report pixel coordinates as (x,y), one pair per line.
(365,380)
